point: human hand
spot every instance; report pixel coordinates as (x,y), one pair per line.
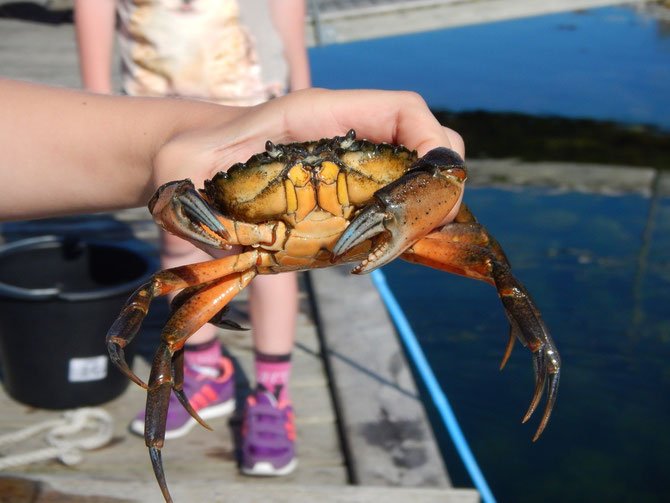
(393,117)
(119,150)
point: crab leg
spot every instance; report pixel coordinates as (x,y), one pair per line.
(219,320)
(167,368)
(400,221)
(453,249)
(128,323)
(473,233)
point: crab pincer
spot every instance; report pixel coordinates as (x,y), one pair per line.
(179,209)
(527,325)
(405,210)
(404,220)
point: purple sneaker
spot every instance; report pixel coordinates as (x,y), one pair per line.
(211,397)
(268,436)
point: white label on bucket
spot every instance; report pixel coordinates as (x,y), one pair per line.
(93,368)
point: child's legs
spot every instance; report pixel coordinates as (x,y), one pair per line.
(273,309)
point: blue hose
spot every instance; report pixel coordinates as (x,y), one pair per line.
(439,398)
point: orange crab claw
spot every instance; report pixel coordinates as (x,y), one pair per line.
(406,209)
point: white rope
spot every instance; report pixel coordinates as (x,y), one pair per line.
(64,436)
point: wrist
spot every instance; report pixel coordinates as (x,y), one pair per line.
(187,140)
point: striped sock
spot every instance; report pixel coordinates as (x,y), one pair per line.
(205,357)
(273,371)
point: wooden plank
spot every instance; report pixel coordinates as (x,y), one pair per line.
(387,434)
(203,458)
(563,176)
(57,490)
(363,21)
(201,455)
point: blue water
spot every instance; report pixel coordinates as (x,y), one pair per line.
(603,290)
(608,63)
(579,256)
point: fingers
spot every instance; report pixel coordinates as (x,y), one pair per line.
(379,116)
(394,117)
(398,117)
(456,141)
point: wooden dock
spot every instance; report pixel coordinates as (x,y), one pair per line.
(340,21)
(202,459)
(362,430)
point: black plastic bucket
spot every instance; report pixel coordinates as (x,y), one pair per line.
(58,298)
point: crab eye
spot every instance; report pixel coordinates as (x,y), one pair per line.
(346,141)
(273,150)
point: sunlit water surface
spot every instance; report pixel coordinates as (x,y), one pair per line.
(609,63)
(605,294)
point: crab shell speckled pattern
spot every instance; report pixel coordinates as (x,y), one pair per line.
(271,184)
(315,188)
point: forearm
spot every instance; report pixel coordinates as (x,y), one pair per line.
(289,19)
(66,152)
(94,27)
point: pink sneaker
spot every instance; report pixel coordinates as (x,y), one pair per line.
(211,397)
(268,435)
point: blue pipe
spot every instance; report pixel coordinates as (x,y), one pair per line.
(436,393)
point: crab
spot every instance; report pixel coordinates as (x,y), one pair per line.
(317,204)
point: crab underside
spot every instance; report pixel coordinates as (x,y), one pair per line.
(317,204)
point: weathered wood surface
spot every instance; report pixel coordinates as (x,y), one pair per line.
(63,490)
(339,21)
(567,176)
(204,463)
(208,457)
(387,434)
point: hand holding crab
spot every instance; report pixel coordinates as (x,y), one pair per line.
(322,202)
(315,204)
